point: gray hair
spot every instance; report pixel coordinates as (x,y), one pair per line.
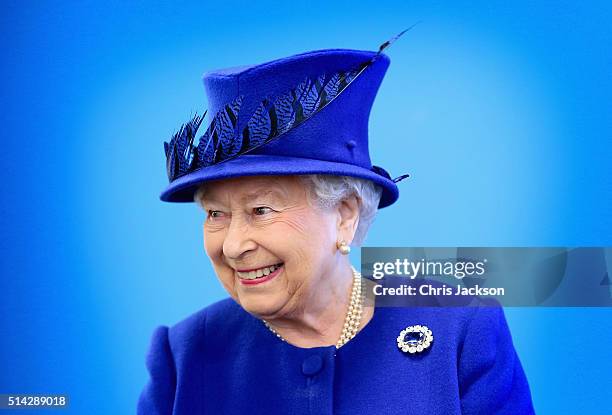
(327,191)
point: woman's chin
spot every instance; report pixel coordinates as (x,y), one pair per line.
(259,305)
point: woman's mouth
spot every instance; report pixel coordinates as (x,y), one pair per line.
(260,275)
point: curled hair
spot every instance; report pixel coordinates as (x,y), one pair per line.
(329,190)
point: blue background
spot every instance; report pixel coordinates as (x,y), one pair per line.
(499,110)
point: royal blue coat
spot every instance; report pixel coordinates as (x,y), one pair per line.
(222,360)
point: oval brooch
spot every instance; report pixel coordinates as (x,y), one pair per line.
(414,339)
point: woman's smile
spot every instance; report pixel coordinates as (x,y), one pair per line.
(259,276)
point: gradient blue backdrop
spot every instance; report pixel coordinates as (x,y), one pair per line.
(499,110)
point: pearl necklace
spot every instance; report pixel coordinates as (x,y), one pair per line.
(353,315)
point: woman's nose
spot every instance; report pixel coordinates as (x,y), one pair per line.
(238,240)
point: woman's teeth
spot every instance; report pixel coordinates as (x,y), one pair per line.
(262,272)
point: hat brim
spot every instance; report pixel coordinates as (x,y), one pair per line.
(184,188)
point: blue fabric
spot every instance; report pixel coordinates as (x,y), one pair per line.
(222,360)
(332,141)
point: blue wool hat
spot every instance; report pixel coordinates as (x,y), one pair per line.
(304,114)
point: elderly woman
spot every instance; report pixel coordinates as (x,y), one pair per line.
(284,176)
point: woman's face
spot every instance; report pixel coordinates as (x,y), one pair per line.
(269,247)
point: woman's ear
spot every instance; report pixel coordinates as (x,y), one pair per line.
(348,218)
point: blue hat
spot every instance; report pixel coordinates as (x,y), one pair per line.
(304,114)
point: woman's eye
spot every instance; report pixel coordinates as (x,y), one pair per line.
(213,214)
(262,210)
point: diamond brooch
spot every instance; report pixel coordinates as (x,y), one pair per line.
(414,339)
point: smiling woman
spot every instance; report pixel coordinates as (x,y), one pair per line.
(272,239)
(284,175)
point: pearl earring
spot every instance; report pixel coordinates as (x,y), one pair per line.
(344,248)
